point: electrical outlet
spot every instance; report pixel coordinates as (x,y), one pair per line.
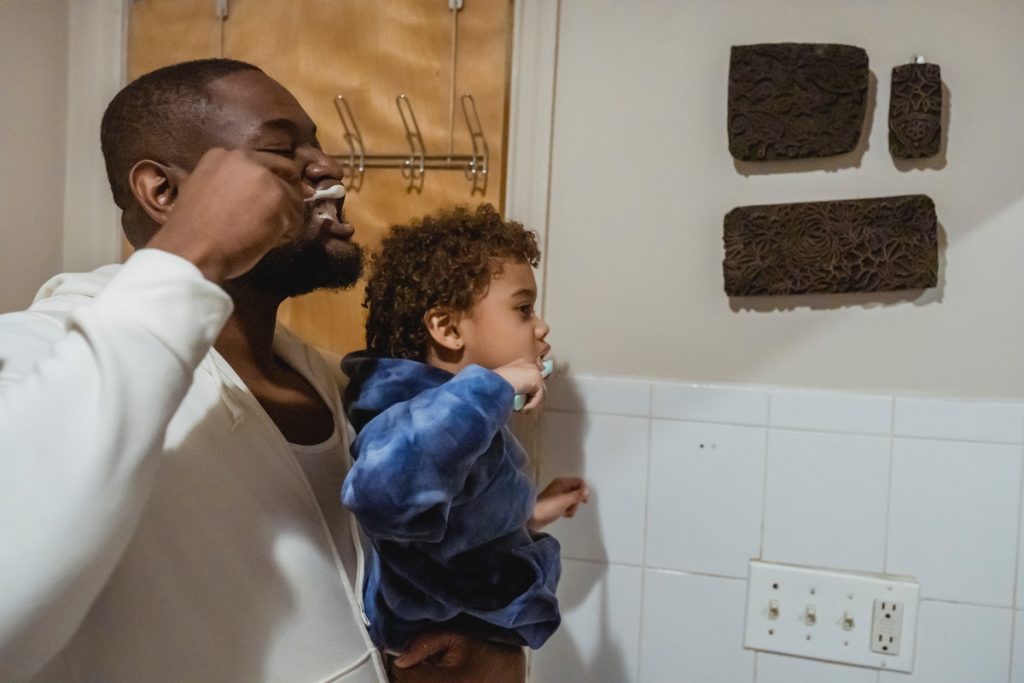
(849,617)
(887,627)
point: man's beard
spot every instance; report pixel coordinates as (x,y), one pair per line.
(302,267)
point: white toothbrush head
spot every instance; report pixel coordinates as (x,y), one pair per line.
(332,192)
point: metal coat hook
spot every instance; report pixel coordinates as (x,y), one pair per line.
(414,163)
(356,161)
(476,169)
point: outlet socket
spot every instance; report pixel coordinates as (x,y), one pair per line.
(887,627)
(832,615)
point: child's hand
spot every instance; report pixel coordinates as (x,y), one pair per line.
(560,498)
(525,378)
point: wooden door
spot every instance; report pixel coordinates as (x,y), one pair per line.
(370,51)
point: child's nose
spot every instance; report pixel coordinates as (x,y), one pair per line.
(542,329)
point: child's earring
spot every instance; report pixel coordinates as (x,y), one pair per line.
(458,343)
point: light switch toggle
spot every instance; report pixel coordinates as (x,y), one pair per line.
(847,621)
(811,615)
(773,609)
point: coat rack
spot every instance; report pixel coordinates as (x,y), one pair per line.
(416,161)
(415,164)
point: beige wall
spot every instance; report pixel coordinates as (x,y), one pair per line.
(641,178)
(33,110)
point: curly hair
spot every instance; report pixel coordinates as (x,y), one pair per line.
(445,260)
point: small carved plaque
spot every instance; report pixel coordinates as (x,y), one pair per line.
(860,245)
(915,111)
(795,100)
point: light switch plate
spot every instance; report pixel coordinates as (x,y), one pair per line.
(827,614)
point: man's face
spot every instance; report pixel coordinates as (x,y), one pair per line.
(256,112)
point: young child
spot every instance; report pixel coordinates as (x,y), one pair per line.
(440,485)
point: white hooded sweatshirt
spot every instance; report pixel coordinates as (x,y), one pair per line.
(154,523)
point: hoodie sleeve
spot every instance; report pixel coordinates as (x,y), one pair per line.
(413,459)
(86,395)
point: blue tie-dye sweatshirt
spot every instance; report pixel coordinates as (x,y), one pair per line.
(440,488)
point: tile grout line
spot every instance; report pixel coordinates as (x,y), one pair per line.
(888,504)
(764,478)
(888,492)
(813,430)
(647,524)
(1016,572)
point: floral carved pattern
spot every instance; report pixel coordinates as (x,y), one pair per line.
(915,111)
(861,245)
(795,100)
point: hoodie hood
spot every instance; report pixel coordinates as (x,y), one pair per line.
(375,384)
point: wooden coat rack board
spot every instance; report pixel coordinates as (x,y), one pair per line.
(369,52)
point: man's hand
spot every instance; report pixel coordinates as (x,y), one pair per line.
(231,210)
(455,658)
(525,377)
(560,498)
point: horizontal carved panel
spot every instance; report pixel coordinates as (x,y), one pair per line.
(860,245)
(915,111)
(795,100)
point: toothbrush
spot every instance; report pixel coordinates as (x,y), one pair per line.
(520,399)
(332,192)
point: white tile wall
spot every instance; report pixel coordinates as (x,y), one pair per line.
(611,526)
(773,668)
(709,403)
(949,524)
(705,497)
(693,630)
(654,576)
(959,644)
(599,638)
(832,412)
(1017,668)
(1019,598)
(825,499)
(961,420)
(610,396)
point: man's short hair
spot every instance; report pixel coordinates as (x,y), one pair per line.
(160,116)
(446,261)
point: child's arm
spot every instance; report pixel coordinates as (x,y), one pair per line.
(560,498)
(414,458)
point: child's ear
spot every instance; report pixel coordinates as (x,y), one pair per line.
(443,327)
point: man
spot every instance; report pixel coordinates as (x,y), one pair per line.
(170,510)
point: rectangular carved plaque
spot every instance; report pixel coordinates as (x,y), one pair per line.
(859,245)
(795,100)
(915,111)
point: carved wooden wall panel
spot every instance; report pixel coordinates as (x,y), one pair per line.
(915,111)
(795,100)
(862,245)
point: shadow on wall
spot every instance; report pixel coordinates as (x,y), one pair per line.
(583,593)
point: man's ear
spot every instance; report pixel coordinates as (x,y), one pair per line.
(443,327)
(155,187)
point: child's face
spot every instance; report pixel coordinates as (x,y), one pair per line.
(502,326)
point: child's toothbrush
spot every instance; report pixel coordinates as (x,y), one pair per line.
(520,399)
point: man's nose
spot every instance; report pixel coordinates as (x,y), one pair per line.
(321,166)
